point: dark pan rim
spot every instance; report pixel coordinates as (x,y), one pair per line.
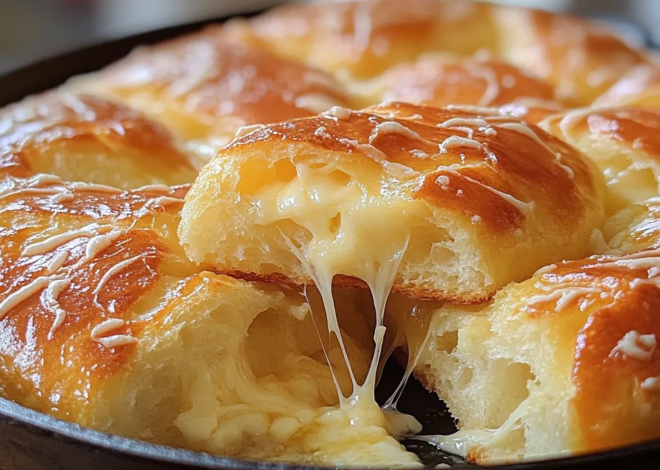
(18,415)
(52,72)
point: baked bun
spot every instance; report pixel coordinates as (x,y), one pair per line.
(624,143)
(475,201)
(441,80)
(363,39)
(104,322)
(205,87)
(380,144)
(639,88)
(634,228)
(86,138)
(562,363)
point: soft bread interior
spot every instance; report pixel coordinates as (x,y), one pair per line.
(510,401)
(266,213)
(238,369)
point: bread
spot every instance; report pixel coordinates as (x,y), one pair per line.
(258,326)
(105,323)
(205,87)
(624,143)
(441,80)
(86,138)
(562,363)
(362,39)
(639,88)
(475,212)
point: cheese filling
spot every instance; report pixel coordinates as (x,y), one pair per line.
(347,233)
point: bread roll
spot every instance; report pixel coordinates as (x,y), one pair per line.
(363,39)
(639,88)
(105,323)
(634,228)
(440,80)
(562,363)
(205,87)
(474,201)
(86,138)
(624,143)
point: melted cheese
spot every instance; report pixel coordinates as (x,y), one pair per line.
(314,200)
(466,440)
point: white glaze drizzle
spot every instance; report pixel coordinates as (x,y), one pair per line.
(61,197)
(394,169)
(338,112)
(393,127)
(246,130)
(564,297)
(49,299)
(641,347)
(652,383)
(111,342)
(97,244)
(22,294)
(57,261)
(58,240)
(160,188)
(117,268)
(156,203)
(525,208)
(528,132)
(95,188)
(43,191)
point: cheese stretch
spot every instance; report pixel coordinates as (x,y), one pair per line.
(346,238)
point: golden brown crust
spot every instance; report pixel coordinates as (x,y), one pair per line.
(634,128)
(621,295)
(441,81)
(106,249)
(42,131)
(499,165)
(579,59)
(206,85)
(639,88)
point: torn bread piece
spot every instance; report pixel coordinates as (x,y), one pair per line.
(561,364)
(466,202)
(105,323)
(86,138)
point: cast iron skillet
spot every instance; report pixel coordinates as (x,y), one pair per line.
(33,441)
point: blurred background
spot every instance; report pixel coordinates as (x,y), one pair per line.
(34,29)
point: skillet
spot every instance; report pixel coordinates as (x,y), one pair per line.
(33,441)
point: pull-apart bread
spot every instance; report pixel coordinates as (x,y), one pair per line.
(106,323)
(206,87)
(358,40)
(86,138)
(444,80)
(565,362)
(428,150)
(474,200)
(562,363)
